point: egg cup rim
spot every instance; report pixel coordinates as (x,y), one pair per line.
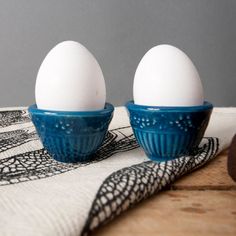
(108,109)
(206,106)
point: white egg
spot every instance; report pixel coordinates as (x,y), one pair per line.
(167,77)
(70,79)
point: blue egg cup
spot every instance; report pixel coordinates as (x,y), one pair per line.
(71,136)
(166,133)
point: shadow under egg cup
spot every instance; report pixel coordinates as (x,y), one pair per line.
(166,133)
(71,136)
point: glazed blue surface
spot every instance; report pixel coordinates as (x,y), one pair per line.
(167,133)
(71,136)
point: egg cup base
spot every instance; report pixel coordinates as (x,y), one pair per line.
(77,159)
(160,158)
(167,133)
(71,137)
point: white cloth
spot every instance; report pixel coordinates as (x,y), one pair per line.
(39,196)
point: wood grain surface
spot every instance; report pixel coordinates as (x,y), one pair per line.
(213,176)
(202,203)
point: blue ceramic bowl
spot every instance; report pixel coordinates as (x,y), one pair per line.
(71,136)
(167,133)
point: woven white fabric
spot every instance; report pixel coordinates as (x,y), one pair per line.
(39,196)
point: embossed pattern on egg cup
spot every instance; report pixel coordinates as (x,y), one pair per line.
(71,136)
(166,133)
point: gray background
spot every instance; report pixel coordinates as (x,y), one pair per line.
(118,33)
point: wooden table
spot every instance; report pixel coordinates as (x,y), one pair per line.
(202,203)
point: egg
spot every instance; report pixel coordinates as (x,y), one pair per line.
(166,76)
(70,79)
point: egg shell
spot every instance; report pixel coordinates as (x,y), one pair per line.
(167,77)
(70,79)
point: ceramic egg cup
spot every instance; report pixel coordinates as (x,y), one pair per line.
(166,133)
(71,136)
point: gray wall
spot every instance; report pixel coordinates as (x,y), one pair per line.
(118,33)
